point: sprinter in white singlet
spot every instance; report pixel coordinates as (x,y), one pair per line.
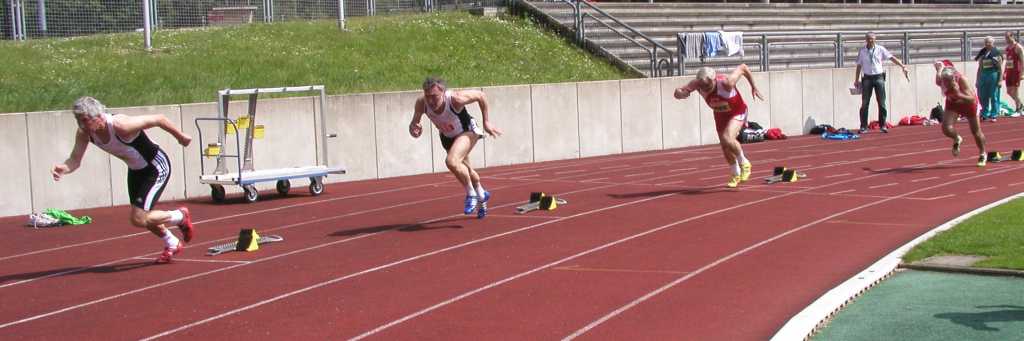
(148,166)
(458,133)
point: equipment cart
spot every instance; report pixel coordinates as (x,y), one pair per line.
(247,176)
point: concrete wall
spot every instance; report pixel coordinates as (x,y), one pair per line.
(601,118)
(17,191)
(51,137)
(511,112)
(556,134)
(540,122)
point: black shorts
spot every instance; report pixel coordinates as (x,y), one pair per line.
(145,185)
(468,125)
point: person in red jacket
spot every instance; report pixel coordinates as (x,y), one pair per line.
(720,93)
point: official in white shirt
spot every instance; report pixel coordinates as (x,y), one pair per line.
(870,61)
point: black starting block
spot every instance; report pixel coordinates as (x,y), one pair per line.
(540,201)
(994,157)
(1017,155)
(781,174)
(248,240)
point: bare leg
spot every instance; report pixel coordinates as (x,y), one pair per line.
(1014,93)
(457,154)
(154,221)
(979,137)
(948,118)
(731,148)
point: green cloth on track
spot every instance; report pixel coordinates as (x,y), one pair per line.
(66,217)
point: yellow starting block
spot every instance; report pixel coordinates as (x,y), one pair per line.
(782,174)
(540,201)
(248,240)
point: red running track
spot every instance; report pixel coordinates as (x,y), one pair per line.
(650,246)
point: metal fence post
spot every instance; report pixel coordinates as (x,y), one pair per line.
(341,15)
(906,47)
(965,47)
(764,52)
(146,29)
(42,16)
(840,58)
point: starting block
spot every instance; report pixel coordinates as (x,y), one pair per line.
(248,240)
(781,174)
(1017,155)
(540,201)
(994,157)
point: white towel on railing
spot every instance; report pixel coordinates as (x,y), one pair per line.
(733,42)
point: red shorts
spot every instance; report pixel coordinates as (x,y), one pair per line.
(722,120)
(964,108)
(1012,79)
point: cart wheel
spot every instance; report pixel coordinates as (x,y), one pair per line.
(251,195)
(283,186)
(217,192)
(316,186)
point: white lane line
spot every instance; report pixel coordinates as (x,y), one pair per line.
(201,260)
(1016,183)
(614,167)
(841,192)
(220,218)
(570,171)
(837,175)
(980,190)
(925,179)
(940,197)
(885,185)
(682,170)
(639,174)
(729,257)
(962,173)
(591,180)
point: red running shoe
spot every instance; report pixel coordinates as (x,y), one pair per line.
(165,257)
(186,224)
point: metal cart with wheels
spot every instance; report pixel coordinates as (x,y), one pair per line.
(247,176)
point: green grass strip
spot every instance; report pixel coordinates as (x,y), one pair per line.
(384,53)
(997,233)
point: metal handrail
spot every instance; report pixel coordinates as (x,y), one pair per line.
(655,64)
(962,34)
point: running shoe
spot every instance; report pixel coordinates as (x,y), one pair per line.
(981,160)
(169,252)
(734,181)
(745,171)
(186,224)
(482,211)
(956,145)
(470,204)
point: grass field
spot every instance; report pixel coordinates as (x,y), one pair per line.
(997,233)
(376,54)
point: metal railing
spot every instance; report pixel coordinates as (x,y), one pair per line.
(659,66)
(906,37)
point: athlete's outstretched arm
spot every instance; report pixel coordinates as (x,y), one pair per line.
(415,129)
(75,159)
(130,125)
(744,71)
(466,97)
(684,91)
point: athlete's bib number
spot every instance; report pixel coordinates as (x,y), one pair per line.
(720,107)
(1009,64)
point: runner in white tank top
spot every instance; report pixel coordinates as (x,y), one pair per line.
(458,132)
(148,166)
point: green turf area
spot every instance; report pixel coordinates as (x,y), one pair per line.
(384,53)
(997,233)
(924,305)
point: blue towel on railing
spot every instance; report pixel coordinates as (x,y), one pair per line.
(712,43)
